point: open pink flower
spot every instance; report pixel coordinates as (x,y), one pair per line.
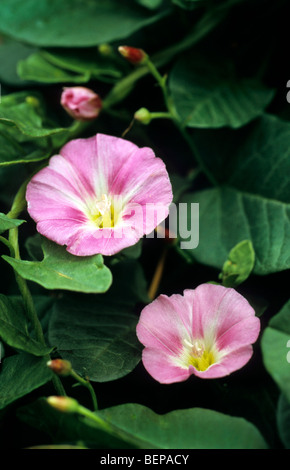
(99,195)
(207,332)
(81,103)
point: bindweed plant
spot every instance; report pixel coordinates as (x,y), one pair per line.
(144,225)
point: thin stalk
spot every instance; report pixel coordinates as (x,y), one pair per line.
(88,385)
(155,283)
(18,206)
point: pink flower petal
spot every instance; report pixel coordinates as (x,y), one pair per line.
(210,327)
(159,365)
(80,186)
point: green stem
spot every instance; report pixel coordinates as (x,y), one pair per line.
(105,426)
(160,115)
(176,119)
(18,206)
(88,385)
(124,86)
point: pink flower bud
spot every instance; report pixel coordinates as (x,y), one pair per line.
(132,54)
(81,103)
(64,404)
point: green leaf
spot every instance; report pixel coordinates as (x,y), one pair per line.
(61,270)
(276,349)
(87,61)
(283,420)
(228,216)
(189,4)
(22,111)
(14,328)
(151,4)
(20,375)
(6,223)
(37,68)
(239,265)
(72,22)
(195,428)
(11,52)
(64,427)
(138,426)
(12,153)
(98,334)
(255,159)
(207,94)
(97,337)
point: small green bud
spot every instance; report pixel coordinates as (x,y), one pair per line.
(32,101)
(143,115)
(105,49)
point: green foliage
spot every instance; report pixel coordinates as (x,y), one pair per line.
(14,328)
(53,23)
(239,265)
(6,223)
(61,270)
(215,77)
(275,349)
(98,335)
(20,375)
(208,94)
(228,216)
(140,427)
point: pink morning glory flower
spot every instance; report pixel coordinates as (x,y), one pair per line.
(81,103)
(99,195)
(208,332)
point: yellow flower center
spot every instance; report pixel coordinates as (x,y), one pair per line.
(104,213)
(197,356)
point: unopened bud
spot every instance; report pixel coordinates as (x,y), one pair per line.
(32,101)
(64,404)
(105,49)
(132,54)
(143,115)
(60,366)
(81,103)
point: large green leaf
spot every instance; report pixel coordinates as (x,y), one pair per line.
(20,375)
(276,349)
(14,328)
(13,152)
(254,159)
(98,338)
(61,270)
(136,426)
(206,94)
(228,216)
(283,420)
(98,334)
(195,428)
(11,52)
(22,111)
(72,22)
